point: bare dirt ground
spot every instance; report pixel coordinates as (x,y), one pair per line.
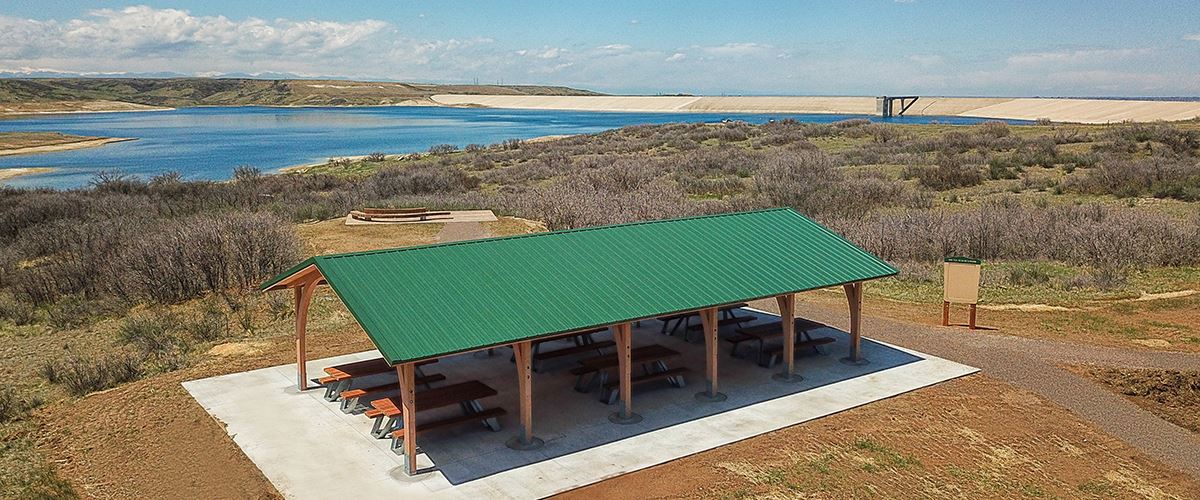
(974,437)
(1173,395)
(23,143)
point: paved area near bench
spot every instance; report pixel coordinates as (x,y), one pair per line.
(309,449)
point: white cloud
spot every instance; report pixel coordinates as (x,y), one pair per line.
(676,57)
(926,59)
(1195,37)
(615,47)
(1075,57)
(735,49)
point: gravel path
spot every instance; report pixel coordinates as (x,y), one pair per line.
(459,231)
(1033,364)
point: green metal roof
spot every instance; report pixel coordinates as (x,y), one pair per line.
(428,301)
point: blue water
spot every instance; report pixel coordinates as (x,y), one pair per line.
(209,143)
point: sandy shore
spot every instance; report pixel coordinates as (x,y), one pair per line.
(1059,110)
(66,146)
(9,173)
(72,107)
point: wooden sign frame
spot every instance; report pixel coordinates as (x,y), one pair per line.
(960,284)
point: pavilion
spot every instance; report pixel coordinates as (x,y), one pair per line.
(422,303)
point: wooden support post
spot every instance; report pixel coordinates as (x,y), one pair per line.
(523,354)
(945,313)
(787,317)
(304,295)
(408,409)
(708,319)
(971,321)
(623,335)
(854,296)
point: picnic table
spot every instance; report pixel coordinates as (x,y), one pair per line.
(339,377)
(387,413)
(584,342)
(353,399)
(685,319)
(760,333)
(653,359)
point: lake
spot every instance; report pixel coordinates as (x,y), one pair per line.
(210,142)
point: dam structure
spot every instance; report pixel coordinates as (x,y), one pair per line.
(887,107)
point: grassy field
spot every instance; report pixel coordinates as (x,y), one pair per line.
(33,94)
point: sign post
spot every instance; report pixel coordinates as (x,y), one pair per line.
(961,286)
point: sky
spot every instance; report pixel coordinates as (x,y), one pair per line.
(864,47)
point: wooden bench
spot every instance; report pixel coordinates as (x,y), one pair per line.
(339,377)
(351,398)
(419,216)
(611,390)
(465,394)
(598,366)
(762,332)
(394,211)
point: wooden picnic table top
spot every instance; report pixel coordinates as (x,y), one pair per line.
(365,368)
(438,397)
(643,354)
(775,328)
(685,314)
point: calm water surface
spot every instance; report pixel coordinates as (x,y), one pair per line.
(209,143)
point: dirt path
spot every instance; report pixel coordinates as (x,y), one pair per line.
(1036,365)
(459,231)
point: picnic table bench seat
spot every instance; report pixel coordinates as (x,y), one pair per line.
(339,377)
(350,398)
(465,394)
(675,376)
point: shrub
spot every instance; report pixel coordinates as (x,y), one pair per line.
(394,181)
(375,157)
(441,149)
(14,406)
(152,333)
(211,322)
(16,310)
(950,172)
(81,374)
(994,129)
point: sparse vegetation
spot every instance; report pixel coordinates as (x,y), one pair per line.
(158,270)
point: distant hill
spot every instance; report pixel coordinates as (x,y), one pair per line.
(43,93)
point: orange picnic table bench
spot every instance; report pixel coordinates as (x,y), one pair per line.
(338,378)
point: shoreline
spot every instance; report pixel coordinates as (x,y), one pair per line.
(12,173)
(66,146)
